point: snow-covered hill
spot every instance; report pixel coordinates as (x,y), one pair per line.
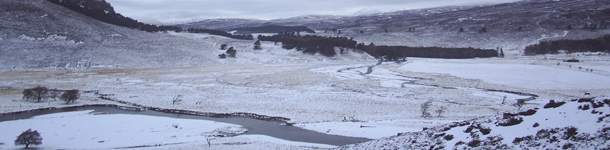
(40,34)
(577,124)
(511,26)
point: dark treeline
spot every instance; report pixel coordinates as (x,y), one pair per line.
(221,33)
(103,11)
(326,45)
(396,52)
(600,44)
(274,29)
(310,44)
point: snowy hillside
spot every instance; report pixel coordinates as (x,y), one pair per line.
(39,34)
(511,26)
(576,124)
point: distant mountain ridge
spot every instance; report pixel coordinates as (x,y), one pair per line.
(511,26)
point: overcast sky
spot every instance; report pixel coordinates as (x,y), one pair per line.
(168,11)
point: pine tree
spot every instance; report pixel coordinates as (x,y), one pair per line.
(501,53)
(29,137)
(231,52)
(257,45)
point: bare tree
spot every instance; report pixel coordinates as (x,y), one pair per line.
(27,94)
(424,109)
(70,96)
(39,92)
(177,99)
(520,103)
(208,140)
(54,93)
(440,110)
(504,99)
(28,138)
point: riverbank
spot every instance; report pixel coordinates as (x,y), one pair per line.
(335,97)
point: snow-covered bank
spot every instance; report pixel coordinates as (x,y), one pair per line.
(86,130)
(578,124)
(89,130)
(373,129)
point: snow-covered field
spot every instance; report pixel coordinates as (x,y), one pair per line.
(516,73)
(337,95)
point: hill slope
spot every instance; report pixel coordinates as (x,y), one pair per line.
(39,34)
(577,124)
(511,26)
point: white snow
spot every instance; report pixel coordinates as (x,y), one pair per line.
(318,92)
(84,130)
(372,129)
(512,74)
(564,116)
(25,37)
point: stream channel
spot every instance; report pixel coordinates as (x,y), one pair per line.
(276,129)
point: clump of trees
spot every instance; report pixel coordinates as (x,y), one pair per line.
(273,29)
(37,93)
(312,44)
(40,93)
(426,106)
(600,44)
(28,138)
(70,96)
(394,53)
(231,52)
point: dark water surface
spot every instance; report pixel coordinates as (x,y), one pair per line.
(255,126)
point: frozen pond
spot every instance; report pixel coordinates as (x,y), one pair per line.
(100,125)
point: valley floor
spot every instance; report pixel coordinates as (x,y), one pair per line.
(351,98)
